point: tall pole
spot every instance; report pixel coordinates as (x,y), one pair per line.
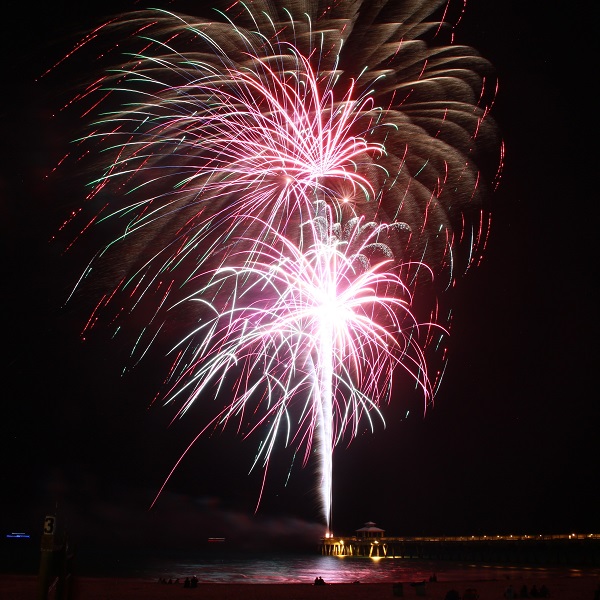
(46,571)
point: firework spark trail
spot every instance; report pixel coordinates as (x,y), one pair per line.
(247,156)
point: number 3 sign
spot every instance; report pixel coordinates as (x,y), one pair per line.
(49,525)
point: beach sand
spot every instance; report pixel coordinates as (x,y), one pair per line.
(19,587)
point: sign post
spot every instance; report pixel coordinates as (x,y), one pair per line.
(46,571)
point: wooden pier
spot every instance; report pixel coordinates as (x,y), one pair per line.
(540,550)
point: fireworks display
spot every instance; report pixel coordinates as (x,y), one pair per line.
(288,190)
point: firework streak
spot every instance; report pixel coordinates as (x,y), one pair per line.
(282,183)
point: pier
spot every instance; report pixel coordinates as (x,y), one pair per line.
(539,550)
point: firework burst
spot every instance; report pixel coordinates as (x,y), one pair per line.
(284,181)
(318,330)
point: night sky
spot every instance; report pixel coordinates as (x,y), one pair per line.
(511,445)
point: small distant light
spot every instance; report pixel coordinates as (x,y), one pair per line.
(18,534)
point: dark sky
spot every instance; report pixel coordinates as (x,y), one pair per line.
(511,445)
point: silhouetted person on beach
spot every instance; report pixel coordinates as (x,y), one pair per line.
(509,592)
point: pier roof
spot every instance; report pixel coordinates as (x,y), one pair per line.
(370,530)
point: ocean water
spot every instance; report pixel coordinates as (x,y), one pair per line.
(222,564)
(289,568)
